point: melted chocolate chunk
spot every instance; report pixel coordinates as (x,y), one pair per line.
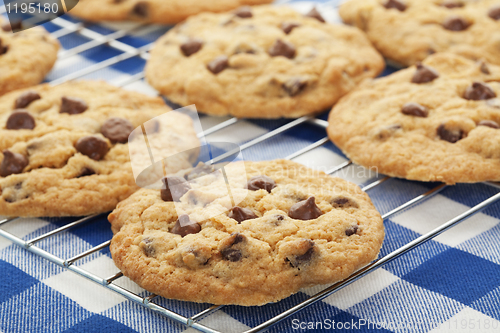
(494,13)
(489,123)
(147,247)
(305,210)
(86,172)
(175,188)
(351,230)
(20,119)
(396,4)
(231,254)
(455,23)
(93,147)
(218,64)
(305,258)
(387,131)
(73,105)
(344,202)
(189,227)
(315,14)
(244,12)
(200,170)
(3,48)
(450,135)
(12,163)
(287,27)
(293,87)
(479,91)
(282,48)
(424,74)
(415,109)
(117,129)
(452,4)
(141,9)
(241,214)
(191,47)
(26,98)
(261,183)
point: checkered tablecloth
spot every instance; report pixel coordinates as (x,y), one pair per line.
(449,284)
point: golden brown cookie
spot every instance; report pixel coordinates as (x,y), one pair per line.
(438,121)
(260,62)
(156,11)
(407,31)
(64,149)
(296,227)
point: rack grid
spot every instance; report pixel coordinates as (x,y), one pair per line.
(67,27)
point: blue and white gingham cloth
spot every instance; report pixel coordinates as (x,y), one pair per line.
(449,284)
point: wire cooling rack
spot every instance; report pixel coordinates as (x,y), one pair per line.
(64,26)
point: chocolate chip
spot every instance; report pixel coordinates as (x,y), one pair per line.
(305,258)
(191,47)
(452,4)
(261,183)
(218,64)
(344,202)
(450,135)
(244,12)
(26,98)
(241,214)
(93,147)
(231,254)
(494,13)
(141,9)
(200,170)
(295,86)
(86,172)
(489,123)
(3,48)
(287,27)
(174,188)
(20,119)
(305,210)
(415,109)
(117,129)
(424,74)
(351,230)
(483,67)
(396,4)
(6,27)
(12,163)
(315,14)
(479,91)
(282,48)
(73,105)
(387,131)
(147,247)
(455,23)
(189,227)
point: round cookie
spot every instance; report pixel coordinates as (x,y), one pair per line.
(296,228)
(155,11)
(407,31)
(260,62)
(438,121)
(64,151)
(25,57)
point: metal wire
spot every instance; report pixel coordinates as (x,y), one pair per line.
(128,52)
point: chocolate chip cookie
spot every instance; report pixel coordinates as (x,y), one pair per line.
(436,121)
(25,57)
(407,31)
(260,62)
(64,149)
(296,227)
(157,11)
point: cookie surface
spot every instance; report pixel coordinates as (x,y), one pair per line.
(407,31)
(64,149)
(263,62)
(25,57)
(157,11)
(295,228)
(439,122)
